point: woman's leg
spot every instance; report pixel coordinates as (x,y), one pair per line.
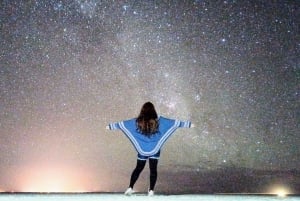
(153,172)
(136,172)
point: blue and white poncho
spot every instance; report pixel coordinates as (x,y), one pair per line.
(145,145)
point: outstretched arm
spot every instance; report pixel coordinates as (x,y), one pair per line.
(186,124)
(179,123)
(113,126)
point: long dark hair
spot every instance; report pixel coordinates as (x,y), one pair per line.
(147,122)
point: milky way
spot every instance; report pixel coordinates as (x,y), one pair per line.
(68,68)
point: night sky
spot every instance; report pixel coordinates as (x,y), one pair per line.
(68,68)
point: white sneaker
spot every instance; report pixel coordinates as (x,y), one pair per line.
(151,193)
(129,191)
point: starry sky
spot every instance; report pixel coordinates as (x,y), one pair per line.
(68,68)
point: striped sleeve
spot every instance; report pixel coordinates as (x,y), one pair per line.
(185,124)
(114,126)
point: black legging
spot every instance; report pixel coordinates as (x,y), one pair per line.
(139,168)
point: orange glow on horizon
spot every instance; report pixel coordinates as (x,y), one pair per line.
(53,179)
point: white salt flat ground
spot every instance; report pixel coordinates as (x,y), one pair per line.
(117,197)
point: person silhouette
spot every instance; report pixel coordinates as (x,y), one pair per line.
(148,133)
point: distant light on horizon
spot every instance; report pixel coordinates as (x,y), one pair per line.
(50,179)
(280,190)
(281,193)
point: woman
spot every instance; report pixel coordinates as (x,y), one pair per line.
(148,132)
